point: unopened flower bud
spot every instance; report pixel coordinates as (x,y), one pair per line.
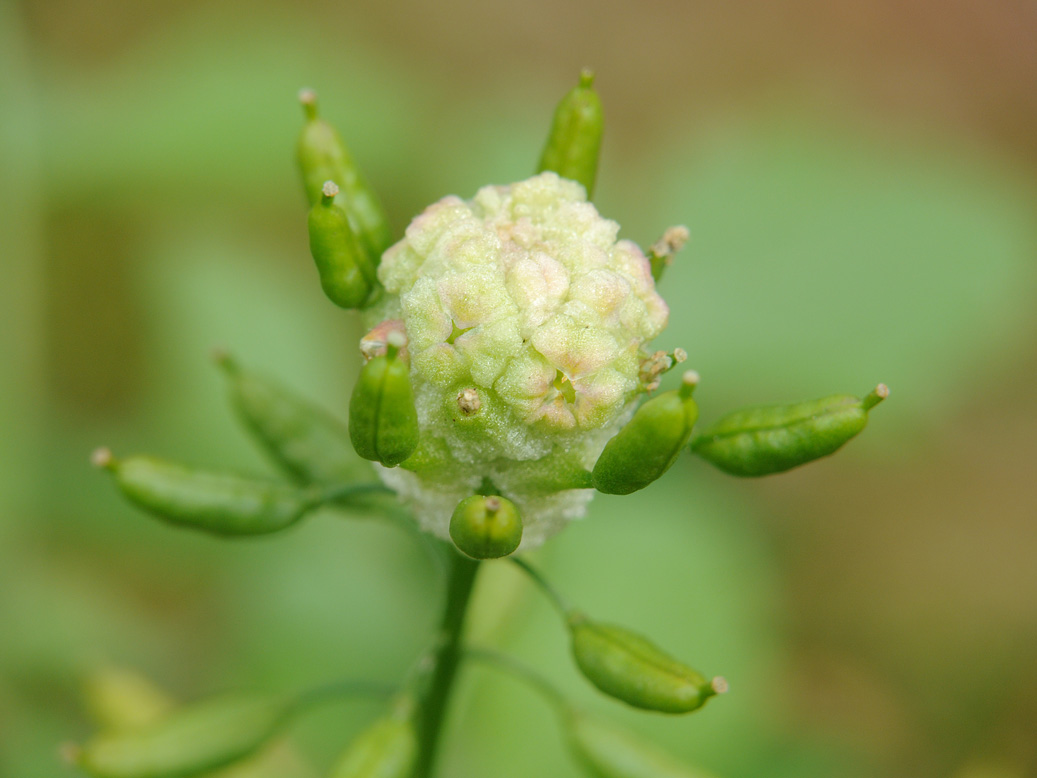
(486,527)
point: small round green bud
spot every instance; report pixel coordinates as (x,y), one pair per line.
(486,527)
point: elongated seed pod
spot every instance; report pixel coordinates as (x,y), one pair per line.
(772,439)
(486,527)
(574,144)
(347,274)
(220,503)
(305,441)
(650,442)
(119,699)
(386,749)
(383,422)
(189,741)
(631,668)
(322,156)
(609,751)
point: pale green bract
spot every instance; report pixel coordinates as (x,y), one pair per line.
(526,322)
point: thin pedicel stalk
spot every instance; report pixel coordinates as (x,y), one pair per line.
(553,594)
(460,583)
(521,671)
(337,690)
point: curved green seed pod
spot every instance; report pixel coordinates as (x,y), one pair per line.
(220,503)
(650,442)
(322,156)
(631,668)
(575,141)
(309,444)
(609,751)
(119,699)
(383,422)
(191,740)
(347,274)
(771,439)
(386,749)
(486,527)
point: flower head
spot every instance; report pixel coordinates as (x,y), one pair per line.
(526,321)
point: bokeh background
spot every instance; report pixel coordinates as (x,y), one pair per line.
(859,181)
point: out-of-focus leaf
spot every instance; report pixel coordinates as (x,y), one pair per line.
(823,259)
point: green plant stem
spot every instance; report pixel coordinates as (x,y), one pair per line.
(523,672)
(337,690)
(460,582)
(552,594)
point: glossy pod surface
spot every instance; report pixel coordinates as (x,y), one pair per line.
(309,444)
(220,503)
(189,741)
(771,439)
(387,749)
(347,273)
(609,751)
(383,422)
(123,700)
(486,527)
(631,668)
(323,156)
(650,442)
(574,143)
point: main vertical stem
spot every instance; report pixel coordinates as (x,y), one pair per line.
(460,582)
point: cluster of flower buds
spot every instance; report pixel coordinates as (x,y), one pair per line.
(507,375)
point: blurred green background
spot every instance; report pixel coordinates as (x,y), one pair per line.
(859,181)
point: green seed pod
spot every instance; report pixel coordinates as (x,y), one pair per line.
(486,527)
(386,749)
(220,503)
(771,439)
(383,422)
(324,157)
(631,668)
(309,444)
(650,442)
(347,274)
(609,751)
(121,700)
(191,740)
(575,141)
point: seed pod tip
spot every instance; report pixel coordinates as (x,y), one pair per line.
(330,189)
(308,98)
(70,752)
(877,395)
(719,685)
(223,359)
(586,78)
(102,457)
(396,339)
(690,378)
